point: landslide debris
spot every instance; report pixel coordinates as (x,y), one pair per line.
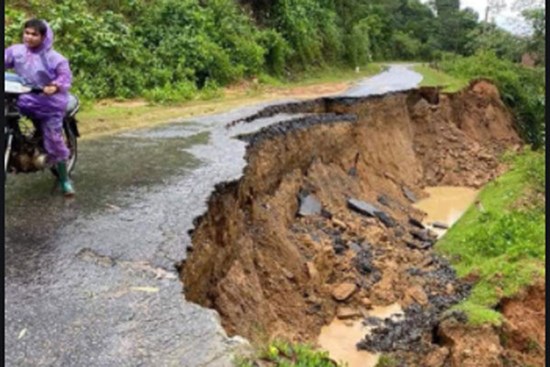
(322,218)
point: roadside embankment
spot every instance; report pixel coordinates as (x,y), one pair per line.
(322,223)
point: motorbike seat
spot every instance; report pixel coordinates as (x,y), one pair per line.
(72,106)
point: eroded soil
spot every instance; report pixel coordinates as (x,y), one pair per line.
(321,222)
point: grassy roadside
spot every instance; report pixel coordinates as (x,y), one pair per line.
(434,77)
(107,117)
(501,243)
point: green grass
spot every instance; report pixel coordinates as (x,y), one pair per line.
(433,78)
(504,244)
(328,75)
(386,361)
(106,117)
(283,354)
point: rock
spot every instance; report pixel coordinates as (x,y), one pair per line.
(343,291)
(365,245)
(372,321)
(368,209)
(339,245)
(369,222)
(424,235)
(363,262)
(384,200)
(409,194)
(312,271)
(389,176)
(362,207)
(339,249)
(437,358)
(399,232)
(429,261)
(416,223)
(326,214)
(338,223)
(484,156)
(440,225)
(355,247)
(416,294)
(417,245)
(385,218)
(366,302)
(309,205)
(287,273)
(344,313)
(449,288)
(426,245)
(310,242)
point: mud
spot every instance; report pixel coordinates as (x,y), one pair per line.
(523,336)
(271,273)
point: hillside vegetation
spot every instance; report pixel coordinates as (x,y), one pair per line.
(176,50)
(129,48)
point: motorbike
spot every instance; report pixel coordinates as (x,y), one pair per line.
(23,143)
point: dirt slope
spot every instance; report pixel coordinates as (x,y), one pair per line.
(272,273)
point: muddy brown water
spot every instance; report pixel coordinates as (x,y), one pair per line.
(340,336)
(445,204)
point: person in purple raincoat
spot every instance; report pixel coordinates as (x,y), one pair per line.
(39,65)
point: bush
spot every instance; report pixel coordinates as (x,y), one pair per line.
(151,48)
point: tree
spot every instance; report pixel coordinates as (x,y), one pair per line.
(504,44)
(537,42)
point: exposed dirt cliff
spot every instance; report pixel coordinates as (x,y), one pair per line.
(322,215)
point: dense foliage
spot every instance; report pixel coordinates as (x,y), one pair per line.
(169,49)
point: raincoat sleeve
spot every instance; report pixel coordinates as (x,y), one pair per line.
(64,76)
(8,58)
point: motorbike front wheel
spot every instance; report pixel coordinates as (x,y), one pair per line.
(70,140)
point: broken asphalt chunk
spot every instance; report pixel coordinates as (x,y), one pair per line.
(418,245)
(409,194)
(370,210)
(309,205)
(424,235)
(416,223)
(385,218)
(440,225)
(362,207)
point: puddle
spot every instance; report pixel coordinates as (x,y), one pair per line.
(446,204)
(340,337)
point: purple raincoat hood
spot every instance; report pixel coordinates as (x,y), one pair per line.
(47,42)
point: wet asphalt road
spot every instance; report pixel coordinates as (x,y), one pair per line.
(92,282)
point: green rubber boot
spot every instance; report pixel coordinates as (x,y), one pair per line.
(64,181)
